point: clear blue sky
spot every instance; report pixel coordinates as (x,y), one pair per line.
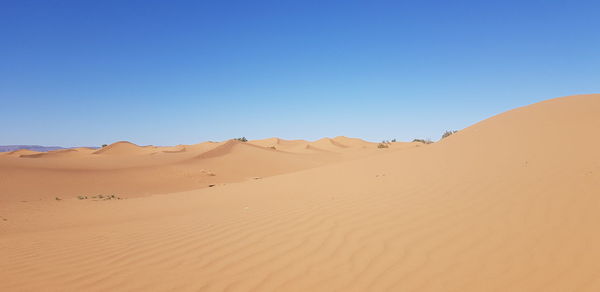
(169,72)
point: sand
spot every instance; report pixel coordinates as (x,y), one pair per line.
(509,204)
(130,170)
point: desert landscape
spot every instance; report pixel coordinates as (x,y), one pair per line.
(351,146)
(511,203)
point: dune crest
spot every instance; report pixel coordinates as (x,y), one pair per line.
(122,148)
(21,152)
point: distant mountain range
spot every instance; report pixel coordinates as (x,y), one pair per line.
(38,148)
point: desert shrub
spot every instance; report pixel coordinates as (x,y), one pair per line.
(386,143)
(448,133)
(242,139)
(104,145)
(424,141)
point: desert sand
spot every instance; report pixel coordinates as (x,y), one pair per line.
(130,170)
(511,203)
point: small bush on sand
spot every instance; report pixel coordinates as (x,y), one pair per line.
(424,141)
(242,139)
(101,197)
(384,144)
(448,133)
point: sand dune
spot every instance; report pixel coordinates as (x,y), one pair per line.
(20,152)
(130,170)
(74,152)
(338,144)
(508,204)
(352,142)
(124,148)
(271,142)
(327,144)
(173,149)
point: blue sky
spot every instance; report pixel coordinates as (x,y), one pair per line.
(170,72)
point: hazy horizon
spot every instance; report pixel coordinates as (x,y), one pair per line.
(160,73)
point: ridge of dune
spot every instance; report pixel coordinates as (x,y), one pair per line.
(21,152)
(84,149)
(202,147)
(53,153)
(508,204)
(291,146)
(278,143)
(268,142)
(303,146)
(327,144)
(352,142)
(244,151)
(122,148)
(224,149)
(70,152)
(545,132)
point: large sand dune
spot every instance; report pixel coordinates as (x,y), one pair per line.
(509,204)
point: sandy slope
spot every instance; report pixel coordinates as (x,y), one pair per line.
(509,204)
